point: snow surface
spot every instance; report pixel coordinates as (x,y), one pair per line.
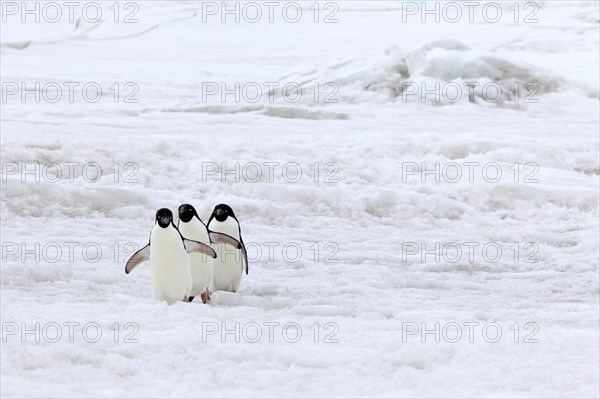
(375,293)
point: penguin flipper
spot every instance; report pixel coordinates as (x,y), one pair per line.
(245,257)
(196,246)
(137,258)
(221,238)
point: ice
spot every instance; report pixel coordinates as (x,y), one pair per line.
(355,281)
(445,63)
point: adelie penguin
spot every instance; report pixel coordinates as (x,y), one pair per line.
(225,233)
(192,227)
(169,262)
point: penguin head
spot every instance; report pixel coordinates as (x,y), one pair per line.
(222,212)
(187,212)
(164,217)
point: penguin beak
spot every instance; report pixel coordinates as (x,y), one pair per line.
(219,212)
(164,221)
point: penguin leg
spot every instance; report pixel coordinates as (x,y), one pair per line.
(186,299)
(205,296)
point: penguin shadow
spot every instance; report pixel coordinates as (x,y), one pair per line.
(254,296)
(265,290)
(223,298)
(259,296)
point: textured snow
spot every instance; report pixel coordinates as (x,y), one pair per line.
(368,211)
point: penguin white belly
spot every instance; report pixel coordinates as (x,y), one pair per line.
(169,266)
(202,273)
(227,273)
(230,227)
(201,265)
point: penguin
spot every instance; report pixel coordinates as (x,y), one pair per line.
(168,252)
(192,227)
(225,232)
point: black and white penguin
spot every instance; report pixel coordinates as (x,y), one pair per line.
(169,262)
(192,227)
(226,234)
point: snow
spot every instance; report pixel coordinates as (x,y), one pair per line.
(342,248)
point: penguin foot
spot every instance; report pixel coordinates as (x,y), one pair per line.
(205,296)
(190,299)
(186,299)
